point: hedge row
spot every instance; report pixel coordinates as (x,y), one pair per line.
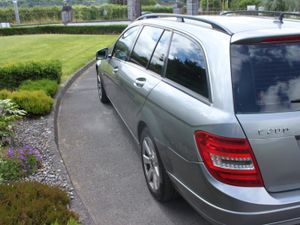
(46,14)
(11,76)
(110,29)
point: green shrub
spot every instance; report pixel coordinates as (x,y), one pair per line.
(107,29)
(4,94)
(48,86)
(33,102)
(110,29)
(9,170)
(161,9)
(70,222)
(11,76)
(33,203)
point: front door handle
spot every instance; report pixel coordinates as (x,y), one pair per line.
(115,70)
(140,82)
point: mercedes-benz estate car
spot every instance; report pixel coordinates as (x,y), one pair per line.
(214,104)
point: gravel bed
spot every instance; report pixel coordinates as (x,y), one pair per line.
(36,133)
(39,133)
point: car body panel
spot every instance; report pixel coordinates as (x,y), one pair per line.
(172,114)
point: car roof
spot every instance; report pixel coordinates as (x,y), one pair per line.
(237,24)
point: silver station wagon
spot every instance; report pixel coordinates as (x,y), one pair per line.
(214,103)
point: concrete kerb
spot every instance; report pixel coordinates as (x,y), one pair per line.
(54,114)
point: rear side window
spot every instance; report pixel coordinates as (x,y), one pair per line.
(266,77)
(186,65)
(160,53)
(145,45)
(125,43)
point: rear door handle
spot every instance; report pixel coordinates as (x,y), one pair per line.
(140,82)
(115,70)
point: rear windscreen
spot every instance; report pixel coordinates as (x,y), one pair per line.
(266,77)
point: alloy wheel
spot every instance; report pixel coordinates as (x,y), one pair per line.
(151,164)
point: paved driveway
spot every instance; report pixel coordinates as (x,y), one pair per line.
(104,163)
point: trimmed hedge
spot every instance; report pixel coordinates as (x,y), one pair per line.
(33,203)
(33,102)
(46,14)
(11,76)
(112,29)
(48,86)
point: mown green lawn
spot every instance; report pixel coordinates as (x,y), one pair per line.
(72,50)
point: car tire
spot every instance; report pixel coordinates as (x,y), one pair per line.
(101,91)
(157,179)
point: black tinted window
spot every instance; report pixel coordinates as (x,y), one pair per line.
(145,45)
(186,65)
(160,53)
(124,44)
(266,77)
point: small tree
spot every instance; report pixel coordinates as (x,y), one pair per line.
(212,5)
(275,5)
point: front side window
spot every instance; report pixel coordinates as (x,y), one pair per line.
(145,45)
(124,44)
(186,65)
(266,77)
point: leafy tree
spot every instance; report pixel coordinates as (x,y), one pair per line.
(274,5)
(212,4)
(292,5)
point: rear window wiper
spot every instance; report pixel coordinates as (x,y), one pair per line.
(295,101)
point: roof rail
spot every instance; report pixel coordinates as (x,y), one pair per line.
(282,14)
(258,12)
(181,18)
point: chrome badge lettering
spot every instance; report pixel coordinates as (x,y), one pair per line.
(273,131)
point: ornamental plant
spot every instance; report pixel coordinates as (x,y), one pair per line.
(19,163)
(9,112)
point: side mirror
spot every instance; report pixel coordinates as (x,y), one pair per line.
(102,54)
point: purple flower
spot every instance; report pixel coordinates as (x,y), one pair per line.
(10,153)
(23,158)
(28,158)
(20,151)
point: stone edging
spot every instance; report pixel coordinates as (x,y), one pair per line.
(79,205)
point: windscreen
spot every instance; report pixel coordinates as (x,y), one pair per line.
(266,77)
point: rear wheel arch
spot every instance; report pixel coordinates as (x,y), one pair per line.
(141,126)
(164,189)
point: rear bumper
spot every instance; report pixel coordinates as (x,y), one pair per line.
(218,215)
(231,205)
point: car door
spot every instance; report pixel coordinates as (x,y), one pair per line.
(112,67)
(137,77)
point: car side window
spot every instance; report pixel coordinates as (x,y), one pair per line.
(145,45)
(124,44)
(160,53)
(186,65)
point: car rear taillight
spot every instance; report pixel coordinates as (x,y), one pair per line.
(229,160)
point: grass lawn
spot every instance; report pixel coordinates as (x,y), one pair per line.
(72,50)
